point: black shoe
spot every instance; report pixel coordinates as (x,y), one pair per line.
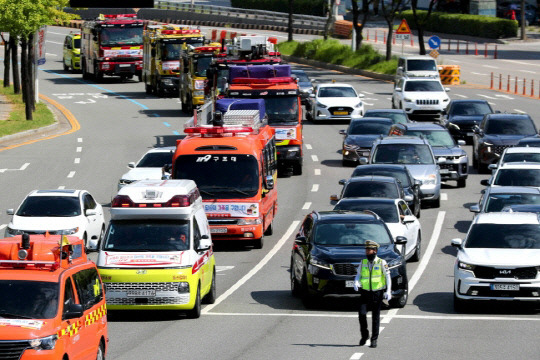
(373,344)
(363,341)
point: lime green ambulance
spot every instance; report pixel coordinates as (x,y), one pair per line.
(72,52)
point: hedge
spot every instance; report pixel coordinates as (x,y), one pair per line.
(306,7)
(463,24)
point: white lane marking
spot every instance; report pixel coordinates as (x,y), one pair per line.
(315,188)
(49,54)
(79,139)
(54,42)
(77,160)
(79,149)
(505,96)
(369,104)
(306,206)
(519,111)
(314,158)
(223,268)
(255,269)
(317,171)
(475,73)
(356,356)
(389,98)
(71,174)
(462,96)
(61,187)
(371,99)
(491,103)
(24,166)
(528,71)
(367,92)
(2,226)
(520,62)
(487,97)
(308,146)
(491,67)
(444,196)
(55,33)
(457,61)
(352,316)
(423,263)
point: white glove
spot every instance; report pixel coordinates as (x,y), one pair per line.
(387,295)
(357,285)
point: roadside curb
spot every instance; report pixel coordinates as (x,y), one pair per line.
(65,124)
(340,68)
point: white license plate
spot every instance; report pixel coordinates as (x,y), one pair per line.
(470,134)
(141,293)
(125,65)
(506,287)
(444,171)
(349,283)
(218,230)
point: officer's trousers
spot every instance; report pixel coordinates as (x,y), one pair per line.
(370,300)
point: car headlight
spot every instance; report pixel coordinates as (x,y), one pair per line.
(320,264)
(255,221)
(125,181)
(321,105)
(466,266)
(430,180)
(359,105)
(13,232)
(407,100)
(68,231)
(46,343)
(395,263)
(350,147)
(183,287)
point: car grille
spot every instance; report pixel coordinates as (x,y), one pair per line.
(499,149)
(12,350)
(451,167)
(161,300)
(349,110)
(222,221)
(485,272)
(360,152)
(164,286)
(427,102)
(345,269)
(483,291)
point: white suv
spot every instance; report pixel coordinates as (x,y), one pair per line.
(417,66)
(498,260)
(420,97)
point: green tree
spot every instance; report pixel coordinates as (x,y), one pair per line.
(389,11)
(421,20)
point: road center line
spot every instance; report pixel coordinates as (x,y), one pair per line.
(256,269)
(462,96)
(79,149)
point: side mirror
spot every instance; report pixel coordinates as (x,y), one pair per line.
(300,240)
(312,96)
(363,160)
(10,211)
(334,198)
(492,166)
(90,212)
(361,95)
(408,198)
(74,311)
(417,182)
(461,142)
(269,182)
(399,68)
(457,242)
(398,89)
(131,165)
(497,111)
(476,130)
(484,182)
(441,160)
(342,182)
(401,240)
(343,132)
(408,219)
(447,89)
(475,208)
(455,127)
(205,243)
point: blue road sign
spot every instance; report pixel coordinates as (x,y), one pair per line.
(434,42)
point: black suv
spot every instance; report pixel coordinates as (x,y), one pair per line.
(497,132)
(411,186)
(461,116)
(330,246)
(371,186)
(360,135)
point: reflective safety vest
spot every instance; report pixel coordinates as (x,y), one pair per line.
(376,278)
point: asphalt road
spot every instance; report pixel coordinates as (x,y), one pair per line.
(255,316)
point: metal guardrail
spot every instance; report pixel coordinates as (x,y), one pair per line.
(309,20)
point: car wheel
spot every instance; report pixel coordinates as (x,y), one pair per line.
(417,210)
(85,74)
(148,89)
(460,305)
(85,242)
(418,248)
(98,77)
(295,286)
(436,203)
(66,68)
(195,313)
(297,168)
(401,301)
(101,235)
(474,162)
(347,163)
(483,168)
(269,230)
(210,298)
(393,106)
(258,243)
(307,299)
(159,89)
(462,183)
(100,352)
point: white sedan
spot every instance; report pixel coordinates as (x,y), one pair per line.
(59,212)
(149,167)
(398,218)
(335,101)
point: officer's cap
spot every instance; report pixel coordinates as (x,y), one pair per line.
(370,244)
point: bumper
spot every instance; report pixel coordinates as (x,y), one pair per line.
(355,154)
(423,111)
(454,170)
(324,114)
(170,83)
(236,232)
(121,68)
(289,154)
(76,61)
(430,192)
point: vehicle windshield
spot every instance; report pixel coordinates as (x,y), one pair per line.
(156,159)
(400,175)
(22,299)
(350,234)
(504,236)
(423,86)
(220,176)
(387,211)
(281,109)
(334,91)
(362,127)
(371,189)
(436,138)
(76,43)
(202,64)
(50,206)
(496,202)
(470,109)
(421,65)
(111,36)
(397,118)
(517,177)
(402,154)
(301,76)
(515,126)
(147,235)
(521,157)
(170,51)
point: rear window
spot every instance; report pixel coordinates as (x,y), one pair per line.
(400,175)
(368,128)
(496,202)
(402,154)
(522,157)
(470,109)
(387,212)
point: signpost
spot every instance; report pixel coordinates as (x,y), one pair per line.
(434,42)
(403,32)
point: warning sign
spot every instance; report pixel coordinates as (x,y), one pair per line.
(434,53)
(403,28)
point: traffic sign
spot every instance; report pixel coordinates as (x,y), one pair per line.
(403,28)
(434,53)
(403,36)
(434,42)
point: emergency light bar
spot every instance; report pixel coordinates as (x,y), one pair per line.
(170,32)
(207,48)
(277,80)
(53,265)
(120,16)
(217,130)
(124,201)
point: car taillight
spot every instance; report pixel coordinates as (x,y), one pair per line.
(122,201)
(179,201)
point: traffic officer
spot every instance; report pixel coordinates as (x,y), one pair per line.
(374,282)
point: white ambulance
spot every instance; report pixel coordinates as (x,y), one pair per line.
(157,252)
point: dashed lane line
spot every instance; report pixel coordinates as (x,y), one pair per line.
(306,206)
(444,196)
(315,188)
(25,165)
(79,140)
(77,160)
(71,174)
(62,187)
(461,96)
(308,146)
(2,226)
(475,73)
(486,96)
(314,158)
(79,149)
(505,96)
(317,171)
(489,66)
(528,71)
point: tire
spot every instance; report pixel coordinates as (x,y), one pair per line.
(269,230)
(210,298)
(159,90)
(101,352)
(393,106)
(483,168)
(347,163)
(85,242)
(418,249)
(66,68)
(297,168)
(258,243)
(189,105)
(85,74)
(460,305)
(417,210)
(461,183)
(307,299)
(195,313)
(295,286)
(101,236)
(139,78)
(474,162)
(436,203)
(401,301)
(98,77)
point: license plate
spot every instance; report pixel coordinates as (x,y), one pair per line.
(507,287)
(470,134)
(349,283)
(341,113)
(218,230)
(125,65)
(444,171)
(141,293)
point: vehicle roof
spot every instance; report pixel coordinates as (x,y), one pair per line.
(513,190)
(420,79)
(373,119)
(398,111)
(522,149)
(345,215)
(402,140)
(468,101)
(382,166)
(519,165)
(422,126)
(57,192)
(335,85)
(167,188)
(161,149)
(506,218)
(509,116)
(377,178)
(417,57)
(368,199)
